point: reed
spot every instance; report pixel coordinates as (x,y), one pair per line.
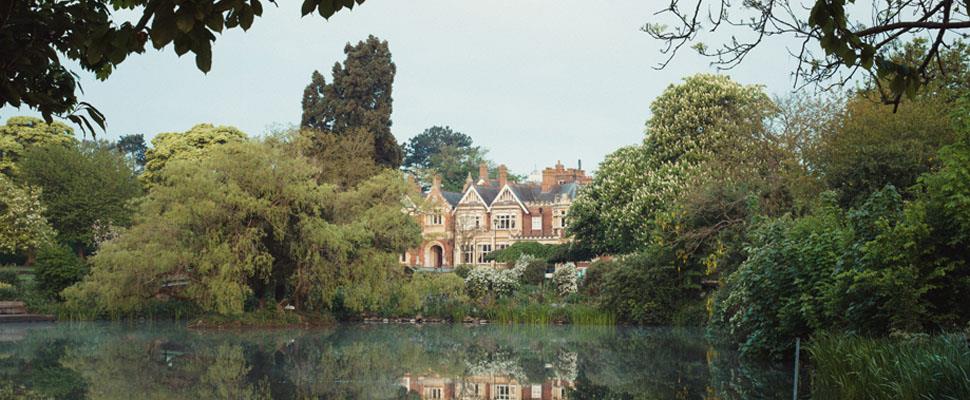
(853,367)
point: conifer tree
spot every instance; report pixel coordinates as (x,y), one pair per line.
(359,97)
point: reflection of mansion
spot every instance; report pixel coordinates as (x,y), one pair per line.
(485,387)
(491,214)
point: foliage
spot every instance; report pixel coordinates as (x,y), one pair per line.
(706,118)
(566,280)
(8,292)
(485,281)
(358,98)
(194,144)
(884,266)
(646,288)
(855,367)
(518,249)
(82,186)
(22,223)
(853,40)
(463,270)
(22,133)
(534,272)
(134,149)
(344,160)
(873,146)
(251,221)
(426,293)
(91,35)
(446,153)
(595,280)
(57,268)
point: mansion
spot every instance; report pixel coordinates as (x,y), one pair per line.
(491,214)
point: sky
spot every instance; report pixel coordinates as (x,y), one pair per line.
(532,81)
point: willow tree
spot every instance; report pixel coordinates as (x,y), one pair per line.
(250,222)
(193,144)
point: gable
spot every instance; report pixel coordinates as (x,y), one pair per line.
(508,195)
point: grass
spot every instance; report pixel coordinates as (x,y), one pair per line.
(541,314)
(852,367)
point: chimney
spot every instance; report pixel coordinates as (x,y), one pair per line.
(436,182)
(579,164)
(503,175)
(483,173)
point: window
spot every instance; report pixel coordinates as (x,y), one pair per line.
(483,250)
(501,246)
(471,221)
(505,222)
(467,254)
(435,219)
(432,393)
(562,220)
(537,222)
(404,257)
(503,392)
(536,392)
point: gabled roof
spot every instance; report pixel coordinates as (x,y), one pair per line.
(451,197)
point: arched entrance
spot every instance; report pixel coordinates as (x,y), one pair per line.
(436,258)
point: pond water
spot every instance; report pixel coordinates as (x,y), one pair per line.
(355,361)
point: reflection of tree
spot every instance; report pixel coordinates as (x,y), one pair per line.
(350,362)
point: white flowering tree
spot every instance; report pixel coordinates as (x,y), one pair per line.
(22,223)
(485,280)
(566,280)
(708,117)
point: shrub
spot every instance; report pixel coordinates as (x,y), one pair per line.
(430,292)
(518,249)
(57,267)
(484,280)
(646,288)
(10,277)
(462,270)
(8,291)
(534,273)
(595,279)
(565,279)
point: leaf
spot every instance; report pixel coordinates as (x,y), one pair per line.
(257,7)
(308,7)
(203,58)
(246,18)
(185,21)
(215,21)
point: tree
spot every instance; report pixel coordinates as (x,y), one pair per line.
(873,147)
(343,160)
(358,98)
(193,144)
(36,35)
(707,119)
(20,133)
(82,186)
(249,221)
(23,226)
(443,152)
(852,40)
(134,149)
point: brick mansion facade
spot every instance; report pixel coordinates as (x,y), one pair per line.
(492,214)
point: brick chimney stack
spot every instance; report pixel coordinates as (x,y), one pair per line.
(503,175)
(483,173)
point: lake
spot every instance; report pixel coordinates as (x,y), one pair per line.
(359,361)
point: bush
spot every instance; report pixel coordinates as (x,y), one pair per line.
(8,292)
(430,293)
(534,272)
(484,281)
(565,280)
(646,288)
(462,270)
(593,283)
(57,267)
(514,252)
(10,277)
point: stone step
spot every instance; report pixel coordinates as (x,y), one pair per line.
(12,307)
(25,318)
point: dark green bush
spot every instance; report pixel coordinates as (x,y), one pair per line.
(647,288)
(10,277)
(592,284)
(57,267)
(535,272)
(462,270)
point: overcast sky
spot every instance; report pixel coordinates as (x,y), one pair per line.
(532,81)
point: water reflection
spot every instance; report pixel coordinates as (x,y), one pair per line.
(166,361)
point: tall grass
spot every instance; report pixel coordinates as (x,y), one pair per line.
(852,367)
(541,314)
